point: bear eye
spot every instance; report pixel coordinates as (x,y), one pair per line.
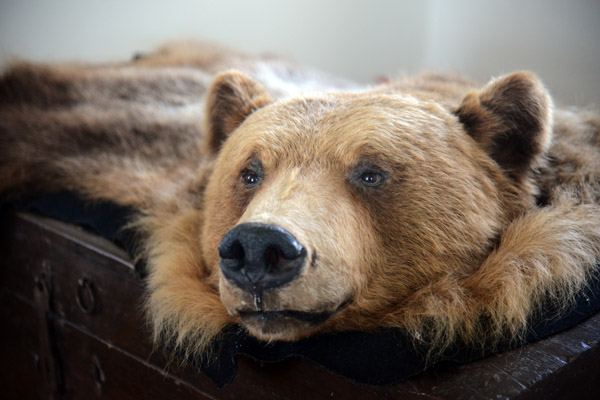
(371,178)
(253,174)
(368,176)
(250,178)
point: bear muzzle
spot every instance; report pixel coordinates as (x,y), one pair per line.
(264,271)
(256,257)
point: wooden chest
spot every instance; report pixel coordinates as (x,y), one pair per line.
(72,328)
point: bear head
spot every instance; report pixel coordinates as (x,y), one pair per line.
(330,211)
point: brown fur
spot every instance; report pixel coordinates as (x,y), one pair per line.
(488,206)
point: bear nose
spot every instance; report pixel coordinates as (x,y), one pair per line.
(257,257)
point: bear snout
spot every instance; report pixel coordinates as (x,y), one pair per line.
(256,257)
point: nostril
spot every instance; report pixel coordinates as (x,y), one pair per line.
(272,257)
(232,255)
(237,251)
(232,250)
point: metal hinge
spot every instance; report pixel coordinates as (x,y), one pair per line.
(49,362)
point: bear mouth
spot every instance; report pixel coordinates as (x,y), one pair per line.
(285,324)
(316,318)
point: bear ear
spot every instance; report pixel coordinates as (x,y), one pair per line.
(231,98)
(511,119)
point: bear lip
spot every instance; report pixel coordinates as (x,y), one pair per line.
(313,318)
(266,316)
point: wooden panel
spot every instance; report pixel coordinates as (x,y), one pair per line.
(19,349)
(103,351)
(82,267)
(96,369)
(529,372)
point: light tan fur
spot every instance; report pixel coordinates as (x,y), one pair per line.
(488,210)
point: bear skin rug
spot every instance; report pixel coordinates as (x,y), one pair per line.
(276,198)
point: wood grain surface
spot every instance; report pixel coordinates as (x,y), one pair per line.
(72,328)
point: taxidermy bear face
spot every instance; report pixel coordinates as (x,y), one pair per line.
(337,210)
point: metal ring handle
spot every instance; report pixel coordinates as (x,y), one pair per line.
(85,288)
(97,374)
(40,283)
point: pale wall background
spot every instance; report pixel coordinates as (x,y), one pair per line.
(558,39)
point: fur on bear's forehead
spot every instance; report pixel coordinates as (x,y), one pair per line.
(345,125)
